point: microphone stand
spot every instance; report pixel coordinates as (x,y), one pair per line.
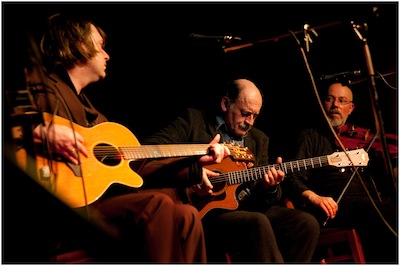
(277,38)
(337,137)
(375,105)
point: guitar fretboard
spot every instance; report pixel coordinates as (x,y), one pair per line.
(167,150)
(338,159)
(159,151)
(257,173)
(152,151)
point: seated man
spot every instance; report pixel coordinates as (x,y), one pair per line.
(318,190)
(260,230)
(147,225)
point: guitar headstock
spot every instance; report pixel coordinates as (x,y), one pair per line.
(240,153)
(339,159)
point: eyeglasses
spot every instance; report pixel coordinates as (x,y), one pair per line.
(342,100)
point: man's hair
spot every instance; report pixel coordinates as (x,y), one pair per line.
(67,40)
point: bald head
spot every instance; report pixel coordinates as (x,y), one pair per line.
(240,106)
(338,104)
(239,88)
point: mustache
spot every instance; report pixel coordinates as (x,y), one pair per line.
(244,126)
(335,111)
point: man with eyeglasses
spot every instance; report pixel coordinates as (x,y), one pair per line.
(338,108)
(318,190)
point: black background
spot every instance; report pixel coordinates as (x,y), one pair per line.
(156,70)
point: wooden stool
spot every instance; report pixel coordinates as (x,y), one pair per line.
(339,245)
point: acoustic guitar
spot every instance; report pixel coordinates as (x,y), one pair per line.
(233,173)
(112,148)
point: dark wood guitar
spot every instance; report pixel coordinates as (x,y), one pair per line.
(234,173)
(112,147)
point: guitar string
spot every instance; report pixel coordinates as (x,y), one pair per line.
(244,175)
(152,151)
(236,177)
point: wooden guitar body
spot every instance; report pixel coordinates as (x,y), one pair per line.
(224,195)
(79,185)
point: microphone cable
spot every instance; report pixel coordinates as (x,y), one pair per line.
(335,135)
(33,88)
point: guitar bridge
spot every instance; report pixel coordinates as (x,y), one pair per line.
(75,168)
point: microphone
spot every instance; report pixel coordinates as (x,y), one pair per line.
(341,75)
(225,38)
(307,38)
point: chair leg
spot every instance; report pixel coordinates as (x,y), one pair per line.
(333,238)
(356,247)
(228,258)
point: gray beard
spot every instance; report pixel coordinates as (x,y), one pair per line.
(335,122)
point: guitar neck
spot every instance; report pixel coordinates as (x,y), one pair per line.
(338,159)
(224,190)
(257,173)
(160,151)
(302,164)
(179,150)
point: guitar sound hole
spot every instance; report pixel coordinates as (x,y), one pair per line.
(107,154)
(218,187)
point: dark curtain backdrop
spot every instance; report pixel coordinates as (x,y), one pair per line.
(156,68)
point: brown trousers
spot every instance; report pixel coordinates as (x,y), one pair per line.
(153,227)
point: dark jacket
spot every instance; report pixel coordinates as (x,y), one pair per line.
(326,181)
(59,97)
(198,126)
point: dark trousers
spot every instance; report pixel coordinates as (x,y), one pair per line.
(278,235)
(151,227)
